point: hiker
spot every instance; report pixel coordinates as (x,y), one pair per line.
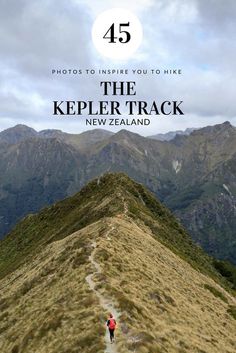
(111,324)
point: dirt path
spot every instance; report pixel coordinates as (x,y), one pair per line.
(126,209)
(104,302)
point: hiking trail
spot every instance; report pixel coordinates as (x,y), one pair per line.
(106,304)
(126,209)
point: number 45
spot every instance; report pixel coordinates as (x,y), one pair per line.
(110,34)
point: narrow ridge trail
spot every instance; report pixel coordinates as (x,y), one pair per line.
(126,209)
(106,304)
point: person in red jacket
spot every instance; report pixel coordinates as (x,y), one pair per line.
(111,324)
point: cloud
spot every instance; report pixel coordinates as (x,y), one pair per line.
(133,5)
(35,35)
(196,36)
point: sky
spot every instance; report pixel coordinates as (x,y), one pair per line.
(195,36)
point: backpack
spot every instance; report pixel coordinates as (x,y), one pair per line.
(112,324)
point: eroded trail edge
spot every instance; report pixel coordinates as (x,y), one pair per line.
(106,304)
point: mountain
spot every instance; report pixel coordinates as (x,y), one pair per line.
(39,169)
(21,133)
(207,201)
(88,139)
(172,134)
(17,134)
(193,175)
(111,247)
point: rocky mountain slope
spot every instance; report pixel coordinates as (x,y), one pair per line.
(194,176)
(114,233)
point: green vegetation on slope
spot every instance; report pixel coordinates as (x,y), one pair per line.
(102,197)
(216,292)
(56,222)
(232,311)
(227,270)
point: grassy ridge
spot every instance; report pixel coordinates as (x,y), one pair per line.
(103,197)
(55,222)
(148,270)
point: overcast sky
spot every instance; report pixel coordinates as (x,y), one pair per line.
(196,36)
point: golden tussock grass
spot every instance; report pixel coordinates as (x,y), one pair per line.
(166,305)
(46,305)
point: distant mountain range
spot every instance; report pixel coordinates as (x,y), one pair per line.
(112,247)
(194,175)
(20,132)
(172,134)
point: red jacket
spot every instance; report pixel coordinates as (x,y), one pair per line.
(111,323)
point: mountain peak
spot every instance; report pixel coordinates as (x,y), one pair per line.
(98,131)
(224,127)
(126,133)
(17,133)
(21,128)
(128,137)
(228,124)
